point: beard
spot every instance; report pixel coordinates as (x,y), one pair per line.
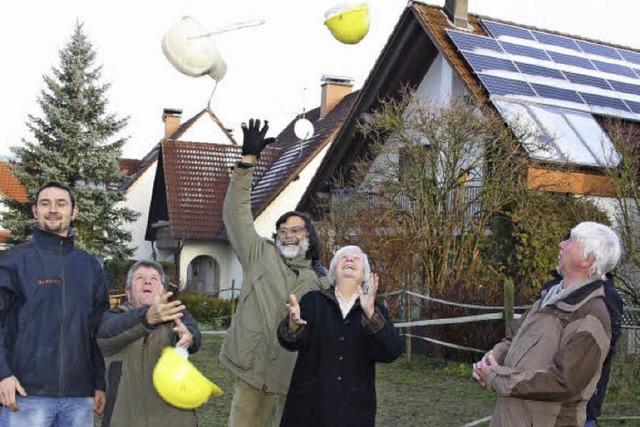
(293,251)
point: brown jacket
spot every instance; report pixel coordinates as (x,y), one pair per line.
(550,369)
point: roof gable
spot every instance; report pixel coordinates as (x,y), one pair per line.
(425,26)
(10,186)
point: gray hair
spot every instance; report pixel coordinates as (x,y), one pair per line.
(146,263)
(602,243)
(365,262)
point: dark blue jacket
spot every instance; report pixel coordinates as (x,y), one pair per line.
(614,305)
(52,297)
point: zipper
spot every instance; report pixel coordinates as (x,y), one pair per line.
(61,344)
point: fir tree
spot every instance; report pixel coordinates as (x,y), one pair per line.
(74,141)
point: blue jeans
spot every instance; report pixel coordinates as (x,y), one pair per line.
(36,411)
(590,423)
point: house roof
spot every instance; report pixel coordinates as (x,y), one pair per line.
(129,166)
(205,121)
(292,155)
(196,175)
(419,36)
(10,187)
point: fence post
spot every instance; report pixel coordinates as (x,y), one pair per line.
(233,296)
(509,300)
(407,315)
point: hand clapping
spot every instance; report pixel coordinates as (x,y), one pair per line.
(295,321)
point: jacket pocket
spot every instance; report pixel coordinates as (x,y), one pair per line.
(522,345)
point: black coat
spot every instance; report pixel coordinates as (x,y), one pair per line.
(615,307)
(333,382)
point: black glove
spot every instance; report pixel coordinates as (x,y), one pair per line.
(253,137)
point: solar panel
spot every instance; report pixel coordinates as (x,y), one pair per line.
(537,70)
(502,86)
(481,63)
(576,61)
(497,29)
(471,42)
(553,40)
(552,92)
(531,52)
(608,67)
(603,101)
(629,56)
(583,79)
(633,106)
(625,87)
(598,49)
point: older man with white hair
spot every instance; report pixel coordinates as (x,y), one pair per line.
(340,334)
(548,372)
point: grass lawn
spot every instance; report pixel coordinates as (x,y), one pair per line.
(425,395)
(432,393)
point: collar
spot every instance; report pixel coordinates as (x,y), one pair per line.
(579,295)
(48,240)
(298,263)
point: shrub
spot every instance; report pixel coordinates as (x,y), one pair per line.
(205,309)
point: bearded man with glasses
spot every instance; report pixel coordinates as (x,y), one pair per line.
(270,273)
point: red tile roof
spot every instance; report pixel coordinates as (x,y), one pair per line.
(129,166)
(196,180)
(196,175)
(10,187)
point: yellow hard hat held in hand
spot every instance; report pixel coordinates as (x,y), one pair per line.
(348,22)
(180,383)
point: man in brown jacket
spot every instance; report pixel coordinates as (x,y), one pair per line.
(546,374)
(271,271)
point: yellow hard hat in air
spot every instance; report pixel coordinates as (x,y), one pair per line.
(180,383)
(348,22)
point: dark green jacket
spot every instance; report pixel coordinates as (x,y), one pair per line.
(250,349)
(131,349)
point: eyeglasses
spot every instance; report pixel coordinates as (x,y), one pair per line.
(293,230)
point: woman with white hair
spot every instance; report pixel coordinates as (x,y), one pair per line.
(340,333)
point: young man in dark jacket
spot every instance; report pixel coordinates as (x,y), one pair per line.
(52,296)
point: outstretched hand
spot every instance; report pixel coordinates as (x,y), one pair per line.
(162,310)
(254,140)
(368,296)
(295,321)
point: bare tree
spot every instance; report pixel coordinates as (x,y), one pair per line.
(426,193)
(625,177)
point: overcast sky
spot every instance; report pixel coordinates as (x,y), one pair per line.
(273,71)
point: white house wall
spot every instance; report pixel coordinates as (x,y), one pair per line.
(220,251)
(288,199)
(138,198)
(440,83)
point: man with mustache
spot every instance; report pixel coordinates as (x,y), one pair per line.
(52,296)
(270,273)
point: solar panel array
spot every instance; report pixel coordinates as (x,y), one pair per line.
(550,69)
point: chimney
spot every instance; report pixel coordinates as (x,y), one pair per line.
(171,118)
(458,12)
(334,88)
